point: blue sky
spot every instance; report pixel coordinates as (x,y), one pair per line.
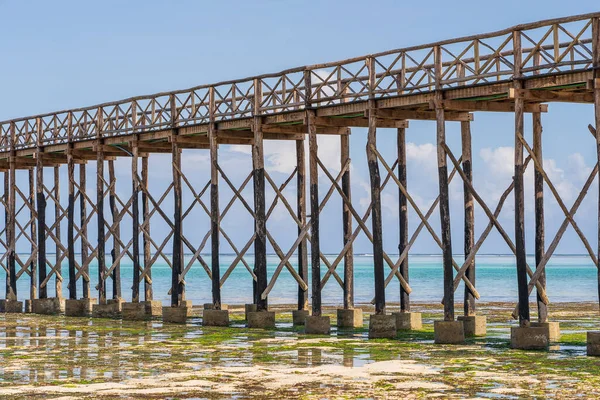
(64,54)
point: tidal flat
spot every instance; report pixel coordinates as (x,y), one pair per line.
(55,357)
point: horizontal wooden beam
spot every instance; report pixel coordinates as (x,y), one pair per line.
(550,95)
(420,115)
(358,122)
(493,106)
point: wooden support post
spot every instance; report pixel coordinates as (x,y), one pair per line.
(100,225)
(524,318)
(116,250)
(41,214)
(469,241)
(375,179)
(32,227)
(403,218)
(444,195)
(315,246)
(176,286)
(135,251)
(11,293)
(347,224)
(70,225)
(148,292)
(214,204)
(539,212)
(57,217)
(83,229)
(6,224)
(596,65)
(301,212)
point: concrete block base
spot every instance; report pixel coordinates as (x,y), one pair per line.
(261,319)
(79,308)
(176,315)
(475,325)
(593,344)
(134,311)
(382,327)
(528,338)
(448,332)
(408,321)
(153,308)
(112,309)
(299,316)
(11,306)
(211,306)
(553,329)
(248,308)
(49,306)
(28,307)
(317,325)
(215,318)
(349,318)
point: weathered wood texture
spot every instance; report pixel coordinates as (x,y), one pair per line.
(469,224)
(301,215)
(403,244)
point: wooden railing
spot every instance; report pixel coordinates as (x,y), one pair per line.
(547,47)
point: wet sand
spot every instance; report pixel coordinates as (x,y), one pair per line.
(68,358)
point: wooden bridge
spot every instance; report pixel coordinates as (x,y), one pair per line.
(517,70)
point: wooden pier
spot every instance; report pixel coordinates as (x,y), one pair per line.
(518,70)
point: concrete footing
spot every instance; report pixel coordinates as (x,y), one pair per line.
(49,306)
(176,315)
(112,309)
(529,338)
(215,318)
(299,316)
(79,308)
(475,325)
(593,344)
(11,306)
(261,319)
(248,308)
(382,326)
(134,311)
(317,325)
(28,307)
(153,308)
(448,332)
(553,329)
(211,306)
(408,321)
(349,318)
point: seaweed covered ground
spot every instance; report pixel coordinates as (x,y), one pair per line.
(67,358)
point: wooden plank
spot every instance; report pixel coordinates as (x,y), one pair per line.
(347,224)
(301,214)
(403,218)
(356,122)
(550,96)
(524,317)
(492,106)
(469,224)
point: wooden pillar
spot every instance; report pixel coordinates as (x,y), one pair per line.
(347,223)
(32,232)
(135,225)
(524,317)
(6,224)
(539,212)
(260,242)
(176,286)
(469,226)
(11,293)
(41,214)
(148,293)
(301,211)
(83,228)
(214,204)
(57,216)
(596,64)
(315,245)
(444,195)
(116,250)
(70,225)
(100,225)
(375,179)
(403,218)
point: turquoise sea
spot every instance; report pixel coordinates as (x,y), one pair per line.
(570,278)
